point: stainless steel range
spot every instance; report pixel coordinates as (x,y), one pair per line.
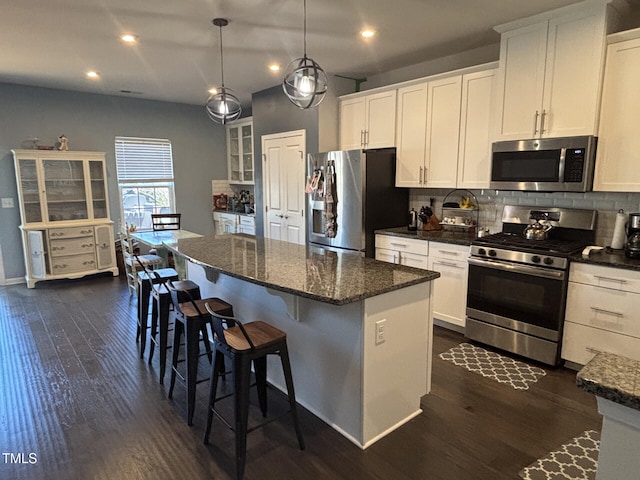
(518,278)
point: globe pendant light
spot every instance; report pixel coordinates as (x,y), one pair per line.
(305,82)
(223,107)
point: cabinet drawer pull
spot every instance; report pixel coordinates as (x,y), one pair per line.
(403,245)
(609,279)
(449,252)
(448,264)
(608,312)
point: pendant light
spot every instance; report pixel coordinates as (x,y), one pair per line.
(223,107)
(305,82)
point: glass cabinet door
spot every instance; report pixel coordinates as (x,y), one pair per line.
(234,155)
(65,190)
(32,207)
(247,154)
(98,194)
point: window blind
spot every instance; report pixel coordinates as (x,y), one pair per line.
(143,159)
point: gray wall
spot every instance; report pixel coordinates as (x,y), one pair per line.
(274,113)
(91,122)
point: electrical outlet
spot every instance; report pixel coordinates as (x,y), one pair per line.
(381,326)
(7,202)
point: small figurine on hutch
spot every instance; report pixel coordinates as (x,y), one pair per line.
(62,144)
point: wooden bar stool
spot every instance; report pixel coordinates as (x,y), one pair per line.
(191,320)
(145,281)
(243,344)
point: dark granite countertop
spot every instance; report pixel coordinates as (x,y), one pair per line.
(608,258)
(613,377)
(323,275)
(444,236)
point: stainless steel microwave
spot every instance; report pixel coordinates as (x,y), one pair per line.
(563,164)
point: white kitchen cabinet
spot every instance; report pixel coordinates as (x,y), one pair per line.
(246,224)
(66,230)
(240,152)
(550,72)
(411,135)
(476,123)
(450,290)
(225,222)
(601,313)
(618,152)
(368,121)
(402,251)
(443,132)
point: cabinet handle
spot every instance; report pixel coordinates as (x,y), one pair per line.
(448,252)
(608,312)
(402,245)
(535,122)
(362,138)
(396,258)
(448,264)
(544,115)
(610,279)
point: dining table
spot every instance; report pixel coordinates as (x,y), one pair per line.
(158,240)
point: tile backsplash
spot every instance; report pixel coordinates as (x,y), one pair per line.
(491,203)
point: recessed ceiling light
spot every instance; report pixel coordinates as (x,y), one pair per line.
(129,38)
(367,33)
(274,67)
(93,75)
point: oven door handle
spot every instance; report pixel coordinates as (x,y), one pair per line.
(525,269)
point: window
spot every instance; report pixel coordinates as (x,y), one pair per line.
(145,179)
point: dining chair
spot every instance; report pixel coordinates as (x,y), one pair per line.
(165,221)
(129,250)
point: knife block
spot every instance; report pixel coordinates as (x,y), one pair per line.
(432,224)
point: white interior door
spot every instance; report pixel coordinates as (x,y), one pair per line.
(284,178)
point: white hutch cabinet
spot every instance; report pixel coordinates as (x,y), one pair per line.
(66,230)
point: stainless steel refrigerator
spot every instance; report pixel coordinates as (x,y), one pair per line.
(349,195)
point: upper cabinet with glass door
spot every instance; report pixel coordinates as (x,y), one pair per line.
(240,151)
(61,186)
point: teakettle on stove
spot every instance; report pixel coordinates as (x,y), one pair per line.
(632,247)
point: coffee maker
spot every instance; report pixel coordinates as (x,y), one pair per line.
(632,247)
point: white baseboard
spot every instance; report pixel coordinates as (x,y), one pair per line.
(13,281)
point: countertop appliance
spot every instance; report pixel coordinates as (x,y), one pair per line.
(517,287)
(562,164)
(632,246)
(349,195)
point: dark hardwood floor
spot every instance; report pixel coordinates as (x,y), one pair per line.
(76,402)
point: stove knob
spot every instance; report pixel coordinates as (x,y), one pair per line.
(535,259)
(492,253)
(548,261)
(482,251)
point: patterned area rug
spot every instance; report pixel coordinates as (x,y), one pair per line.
(492,365)
(576,460)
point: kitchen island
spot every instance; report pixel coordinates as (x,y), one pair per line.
(358,330)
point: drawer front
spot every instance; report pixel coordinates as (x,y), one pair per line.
(72,246)
(448,251)
(247,221)
(400,244)
(604,308)
(581,343)
(384,255)
(247,229)
(71,264)
(412,260)
(70,232)
(608,277)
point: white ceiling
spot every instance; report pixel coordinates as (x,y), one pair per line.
(51,43)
